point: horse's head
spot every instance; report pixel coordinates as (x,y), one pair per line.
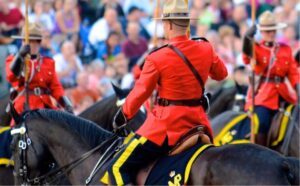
(31,157)
(240,97)
(121,95)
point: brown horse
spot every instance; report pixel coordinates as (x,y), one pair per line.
(66,138)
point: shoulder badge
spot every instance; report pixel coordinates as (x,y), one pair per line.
(200,39)
(156,49)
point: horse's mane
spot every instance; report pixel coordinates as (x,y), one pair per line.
(89,131)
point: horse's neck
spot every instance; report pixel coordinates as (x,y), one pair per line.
(66,147)
(102,112)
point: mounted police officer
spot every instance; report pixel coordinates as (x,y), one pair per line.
(43,81)
(274,63)
(180,103)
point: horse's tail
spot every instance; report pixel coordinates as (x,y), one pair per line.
(291,166)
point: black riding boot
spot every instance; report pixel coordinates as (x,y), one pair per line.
(261,139)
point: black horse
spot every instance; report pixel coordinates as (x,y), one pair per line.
(67,138)
(288,146)
(5,118)
(224,99)
(103,111)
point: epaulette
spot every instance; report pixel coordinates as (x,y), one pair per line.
(200,39)
(156,49)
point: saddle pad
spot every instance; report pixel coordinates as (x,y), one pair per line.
(236,131)
(5,152)
(175,170)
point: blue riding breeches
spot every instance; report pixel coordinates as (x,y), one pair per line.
(265,116)
(137,153)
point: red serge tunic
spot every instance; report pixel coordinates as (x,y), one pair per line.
(175,82)
(284,66)
(44,77)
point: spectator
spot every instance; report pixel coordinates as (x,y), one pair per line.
(226,48)
(135,15)
(67,22)
(146,6)
(289,38)
(112,4)
(110,48)
(105,86)
(11,19)
(135,46)
(46,45)
(211,15)
(82,97)
(68,64)
(40,17)
(96,72)
(101,28)
(239,17)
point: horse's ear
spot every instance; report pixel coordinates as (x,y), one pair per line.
(118,91)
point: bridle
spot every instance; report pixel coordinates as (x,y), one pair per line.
(23,143)
(50,177)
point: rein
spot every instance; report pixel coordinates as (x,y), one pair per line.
(55,174)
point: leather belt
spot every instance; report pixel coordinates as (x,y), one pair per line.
(189,102)
(275,79)
(39,91)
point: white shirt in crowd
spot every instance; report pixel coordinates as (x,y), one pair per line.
(99,31)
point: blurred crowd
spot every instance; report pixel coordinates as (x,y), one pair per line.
(98,42)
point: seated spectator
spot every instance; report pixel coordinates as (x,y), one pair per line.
(38,16)
(11,19)
(144,5)
(110,3)
(101,28)
(46,45)
(82,92)
(239,16)
(96,73)
(105,83)
(67,22)
(226,47)
(134,15)
(110,48)
(68,64)
(135,46)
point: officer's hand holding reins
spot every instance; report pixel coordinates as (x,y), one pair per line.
(119,123)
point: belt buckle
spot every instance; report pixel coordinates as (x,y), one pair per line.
(164,102)
(277,79)
(37,91)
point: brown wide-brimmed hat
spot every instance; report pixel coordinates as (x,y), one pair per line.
(267,21)
(175,9)
(35,32)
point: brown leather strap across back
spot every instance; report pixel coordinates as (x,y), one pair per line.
(189,64)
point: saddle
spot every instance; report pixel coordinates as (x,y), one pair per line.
(192,137)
